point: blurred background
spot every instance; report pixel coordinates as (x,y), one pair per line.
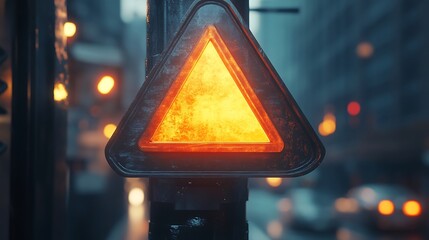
(359,71)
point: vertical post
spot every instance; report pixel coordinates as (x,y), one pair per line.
(183,208)
(164,19)
(38,132)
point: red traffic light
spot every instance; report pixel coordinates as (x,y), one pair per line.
(353,108)
(214,105)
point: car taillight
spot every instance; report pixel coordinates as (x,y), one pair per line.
(412,208)
(386,207)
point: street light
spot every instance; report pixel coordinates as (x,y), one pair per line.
(60,92)
(136,196)
(328,126)
(69,29)
(106,84)
(109,129)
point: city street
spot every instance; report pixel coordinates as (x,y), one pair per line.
(214,119)
(262,209)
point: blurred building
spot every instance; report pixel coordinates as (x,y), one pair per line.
(106,67)
(371,53)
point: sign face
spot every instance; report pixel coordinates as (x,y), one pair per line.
(214,105)
(210,107)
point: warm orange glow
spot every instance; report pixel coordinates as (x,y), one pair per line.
(328,125)
(211,103)
(364,50)
(329,117)
(109,129)
(105,85)
(344,234)
(386,207)
(69,29)
(275,229)
(274,181)
(346,205)
(412,208)
(284,205)
(60,92)
(136,216)
(210,107)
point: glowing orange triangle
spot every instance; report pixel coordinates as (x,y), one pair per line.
(211,107)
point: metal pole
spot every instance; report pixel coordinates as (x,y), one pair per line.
(164,19)
(38,132)
(183,208)
(198,208)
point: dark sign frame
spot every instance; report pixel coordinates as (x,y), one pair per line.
(302,152)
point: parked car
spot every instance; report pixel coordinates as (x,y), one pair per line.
(385,207)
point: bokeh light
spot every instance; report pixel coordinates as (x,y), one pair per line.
(136,196)
(353,108)
(274,181)
(284,205)
(106,84)
(60,92)
(386,207)
(364,50)
(368,196)
(109,129)
(69,29)
(275,229)
(344,234)
(412,208)
(346,205)
(328,125)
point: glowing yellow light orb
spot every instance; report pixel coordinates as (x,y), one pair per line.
(412,208)
(106,84)
(328,126)
(60,92)
(69,29)
(386,207)
(274,181)
(109,129)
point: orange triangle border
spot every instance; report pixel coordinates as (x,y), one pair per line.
(276,143)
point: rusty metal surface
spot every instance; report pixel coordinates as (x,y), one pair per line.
(302,152)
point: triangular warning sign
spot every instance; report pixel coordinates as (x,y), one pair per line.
(211,107)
